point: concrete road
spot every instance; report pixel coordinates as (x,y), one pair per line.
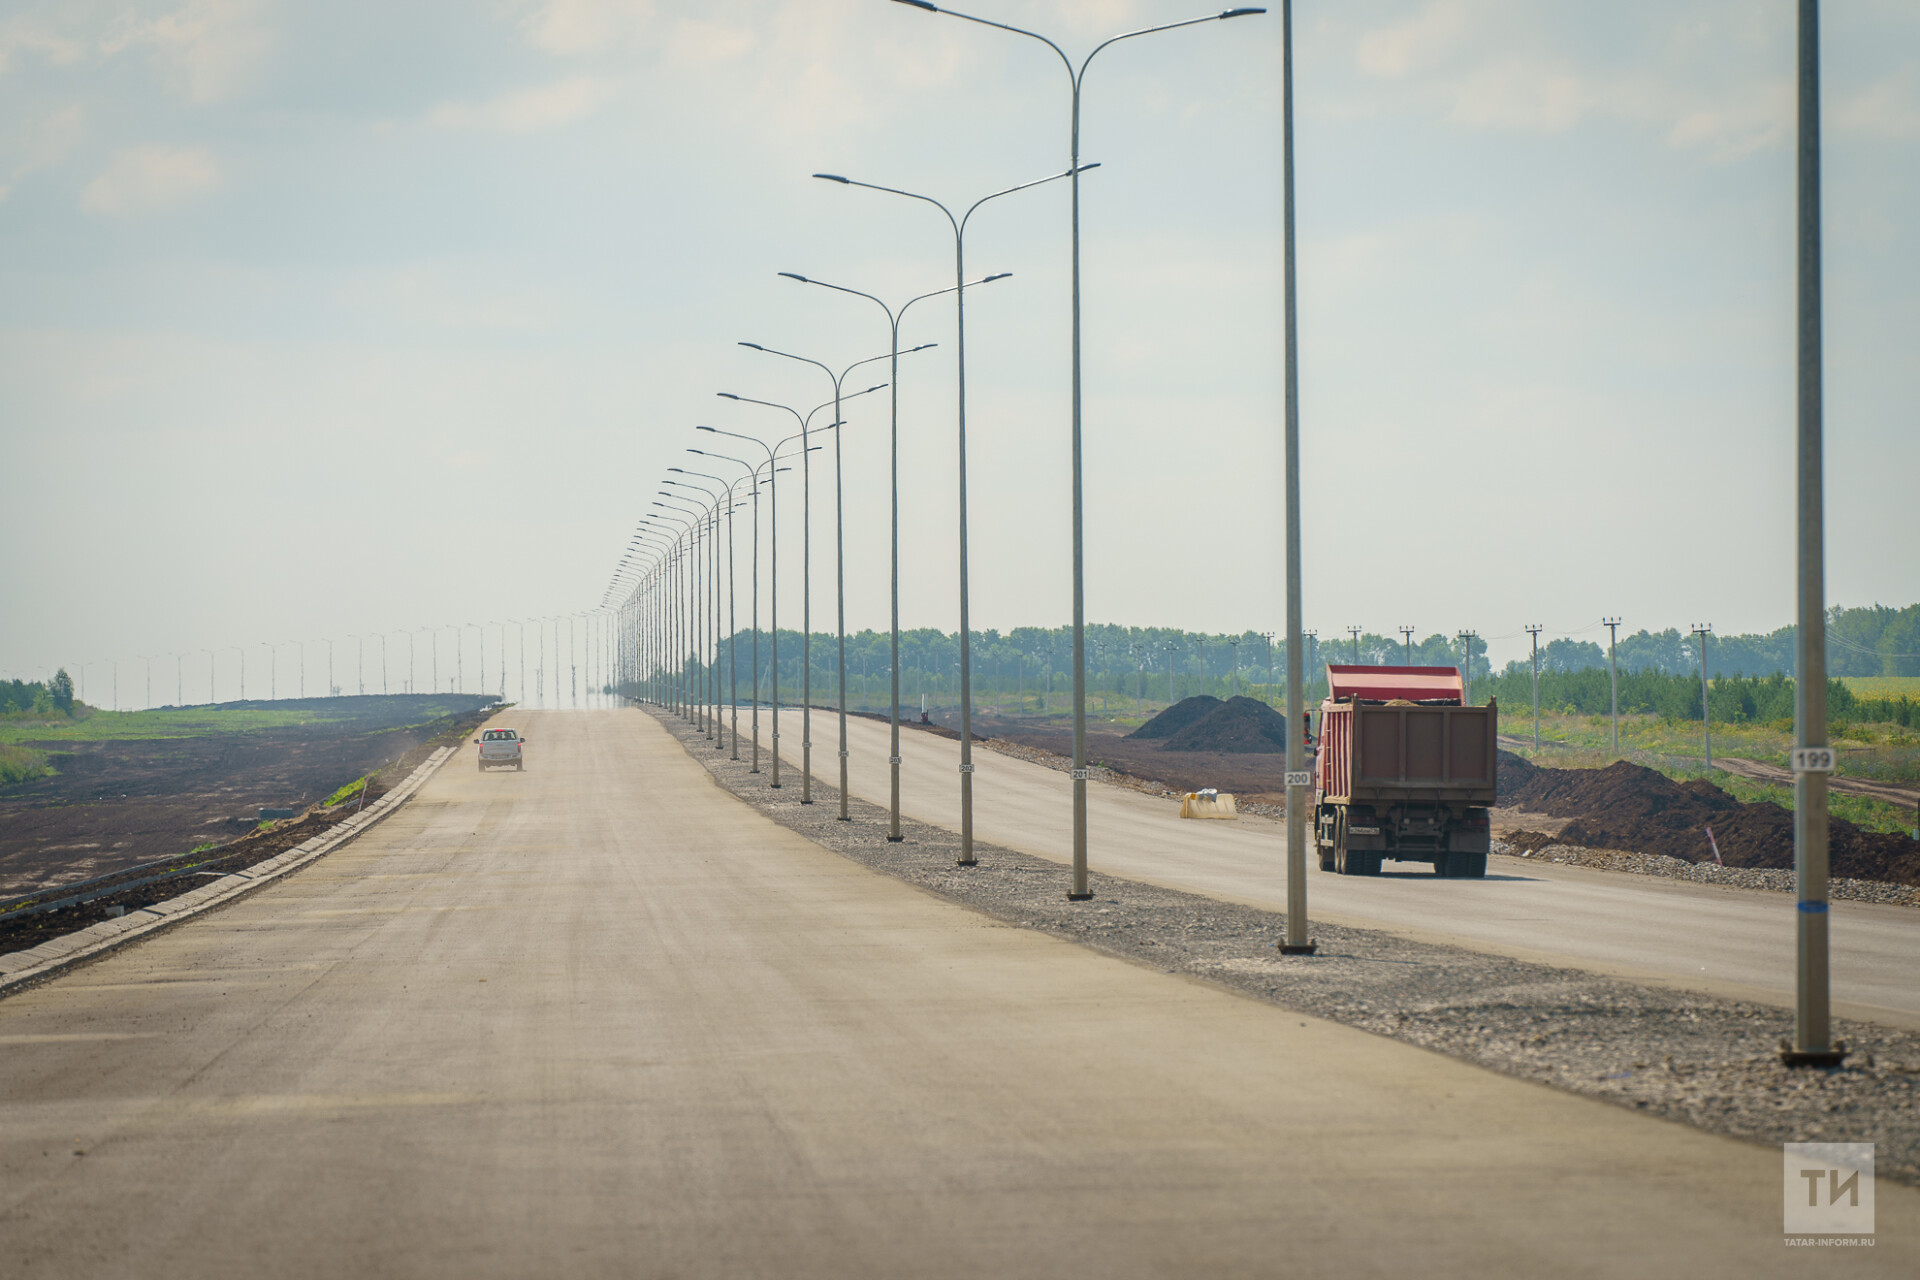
(1727,941)
(598,1018)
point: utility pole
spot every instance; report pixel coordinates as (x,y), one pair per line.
(1268,637)
(1408,633)
(1313,655)
(1534,631)
(1702,631)
(1355,633)
(1466,668)
(1299,778)
(1234,685)
(1812,1045)
(1613,675)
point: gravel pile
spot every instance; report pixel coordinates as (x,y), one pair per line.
(1701,1060)
(1658,864)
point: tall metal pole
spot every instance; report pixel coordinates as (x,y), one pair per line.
(1076,78)
(1299,780)
(894,317)
(1812,1045)
(1466,668)
(1355,633)
(1613,677)
(1706,709)
(839,544)
(1534,631)
(959,228)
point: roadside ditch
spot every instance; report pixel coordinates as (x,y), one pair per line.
(1700,1060)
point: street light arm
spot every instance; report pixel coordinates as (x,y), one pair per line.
(1170,26)
(737,436)
(723,457)
(728,395)
(955,288)
(840,288)
(988,22)
(1052,177)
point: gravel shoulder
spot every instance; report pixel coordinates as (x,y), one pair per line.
(1696,1059)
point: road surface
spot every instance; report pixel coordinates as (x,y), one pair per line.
(601,1019)
(1727,941)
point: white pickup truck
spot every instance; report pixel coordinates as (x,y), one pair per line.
(500,747)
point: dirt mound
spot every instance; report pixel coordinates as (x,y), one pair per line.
(1627,806)
(1237,726)
(1178,716)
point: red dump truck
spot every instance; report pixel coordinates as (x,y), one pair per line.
(1405,771)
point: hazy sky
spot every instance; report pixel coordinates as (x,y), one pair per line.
(329,319)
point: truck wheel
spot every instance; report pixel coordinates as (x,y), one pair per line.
(1475,867)
(1444,865)
(1365,864)
(519,766)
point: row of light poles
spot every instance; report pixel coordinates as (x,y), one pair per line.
(595,650)
(1811,1042)
(895,315)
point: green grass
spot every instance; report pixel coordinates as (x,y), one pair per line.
(345,793)
(19,764)
(194,722)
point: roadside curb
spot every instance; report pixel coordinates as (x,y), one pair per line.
(21,968)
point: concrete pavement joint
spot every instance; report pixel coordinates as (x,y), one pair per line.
(21,969)
(1700,1060)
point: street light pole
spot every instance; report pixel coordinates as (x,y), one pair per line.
(959,228)
(1076,78)
(894,317)
(773,595)
(1702,631)
(806,570)
(1613,677)
(839,533)
(1811,1045)
(1299,780)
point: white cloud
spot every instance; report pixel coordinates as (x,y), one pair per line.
(1422,40)
(588,26)
(209,49)
(1889,109)
(151,179)
(23,33)
(528,110)
(698,43)
(37,141)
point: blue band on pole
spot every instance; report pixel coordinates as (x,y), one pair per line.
(1814,908)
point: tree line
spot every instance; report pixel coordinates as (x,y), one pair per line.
(52,697)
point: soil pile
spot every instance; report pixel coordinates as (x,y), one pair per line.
(1178,716)
(1238,726)
(1627,806)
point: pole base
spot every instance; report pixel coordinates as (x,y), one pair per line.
(806,802)
(895,839)
(967,862)
(1792,1057)
(1304,949)
(775,786)
(1079,897)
